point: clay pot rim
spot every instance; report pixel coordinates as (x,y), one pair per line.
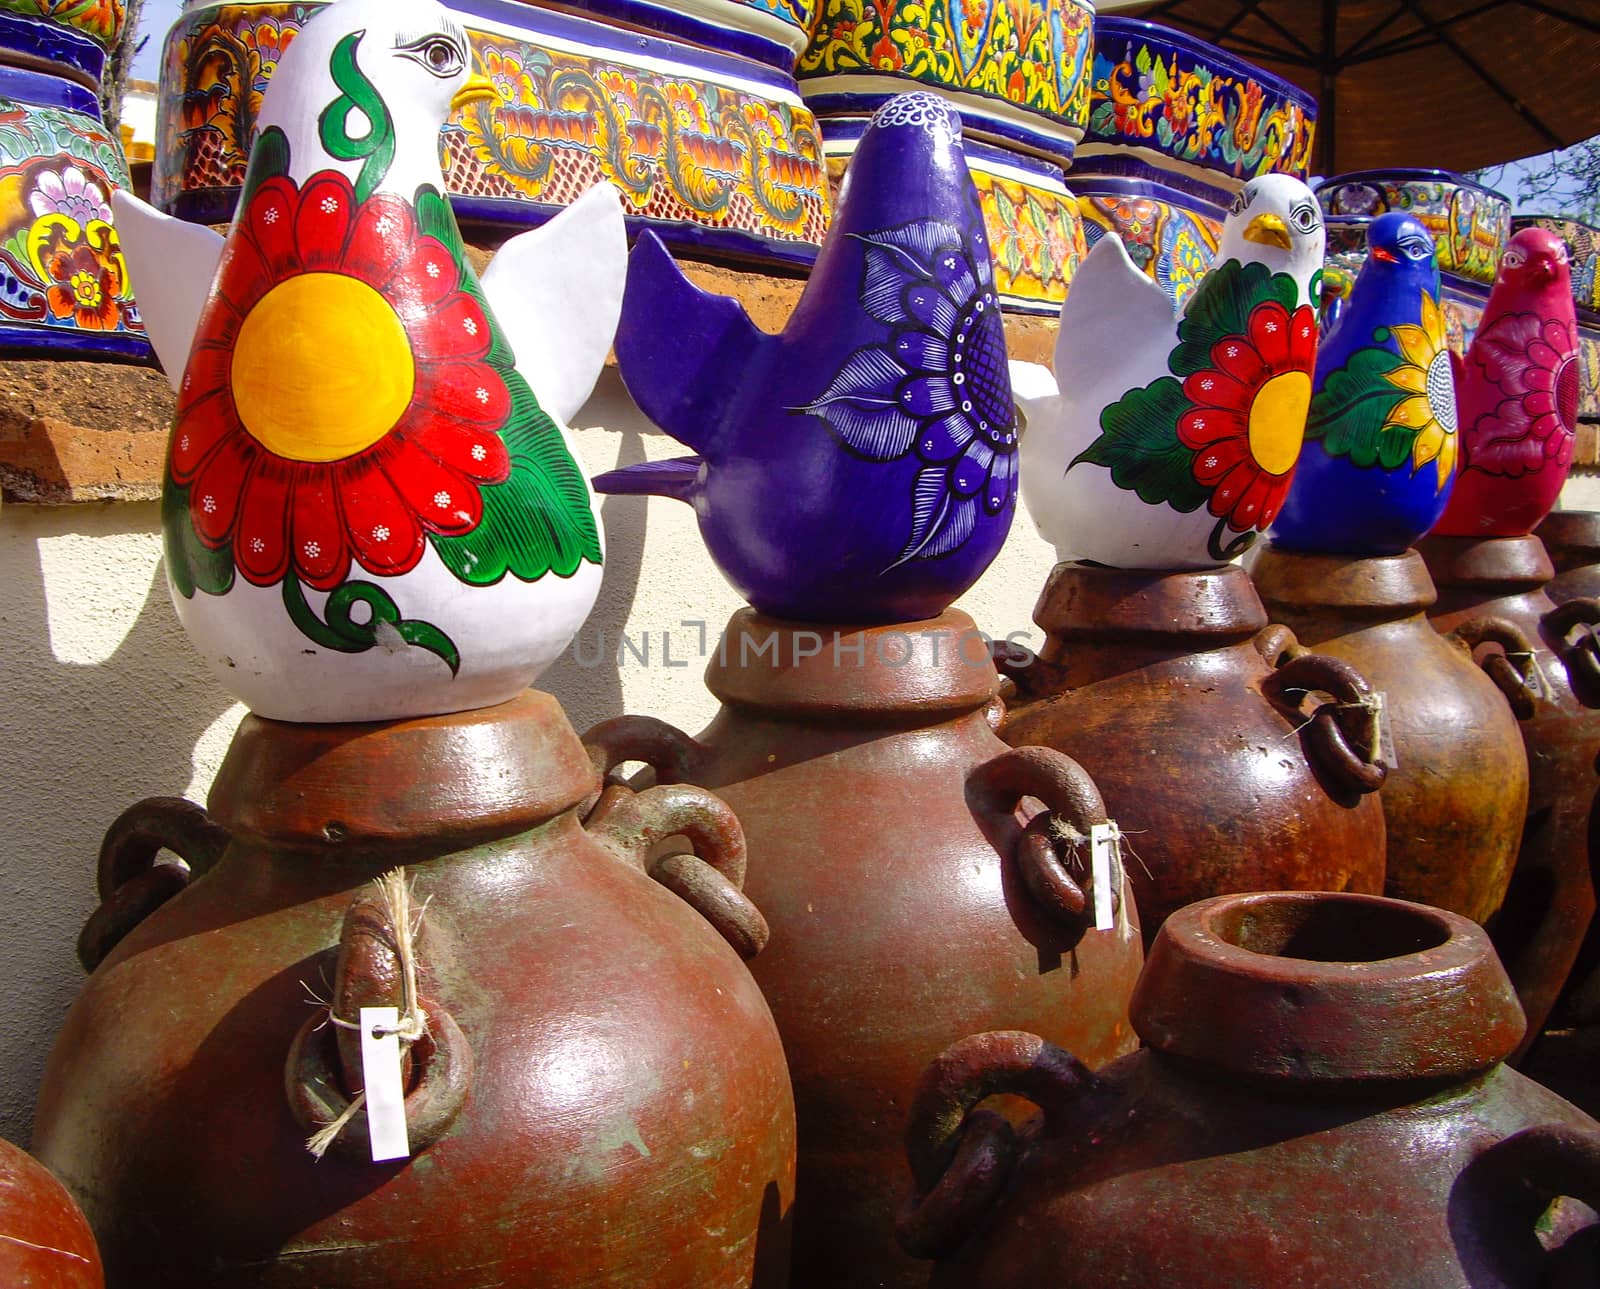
(1150,604)
(933,667)
(1383,585)
(1440,1008)
(1488,563)
(1571,538)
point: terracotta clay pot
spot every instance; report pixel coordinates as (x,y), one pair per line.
(1455,800)
(1491,593)
(1194,722)
(45,1243)
(905,894)
(1321,1104)
(1572,540)
(600,1098)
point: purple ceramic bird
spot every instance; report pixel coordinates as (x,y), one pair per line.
(861,467)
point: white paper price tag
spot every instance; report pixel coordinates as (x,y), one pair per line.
(1378,704)
(1105,859)
(386,1093)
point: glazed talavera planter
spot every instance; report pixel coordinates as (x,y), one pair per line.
(1194,715)
(65,290)
(45,1243)
(1019,76)
(587,1032)
(1171,232)
(1455,800)
(1491,593)
(735,168)
(69,38)
(1470,223)
(1320,1072)
(905,893)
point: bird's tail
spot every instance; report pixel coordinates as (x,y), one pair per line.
(676,478)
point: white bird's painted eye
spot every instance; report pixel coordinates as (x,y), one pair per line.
(439,54)
(1305,217)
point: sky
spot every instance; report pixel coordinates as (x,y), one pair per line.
(159,15)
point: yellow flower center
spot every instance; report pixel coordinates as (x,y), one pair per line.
(1278,421)
(322,368)
(86,290)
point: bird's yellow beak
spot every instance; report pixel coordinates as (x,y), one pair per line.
(477,89)
(1269,230)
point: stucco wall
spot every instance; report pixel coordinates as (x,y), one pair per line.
(103,702)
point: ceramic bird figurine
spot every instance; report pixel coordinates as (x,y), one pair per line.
(861,467)
(1173,439)
(1518,391)
(1380,453)
(372,509)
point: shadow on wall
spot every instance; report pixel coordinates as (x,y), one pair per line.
(102,703)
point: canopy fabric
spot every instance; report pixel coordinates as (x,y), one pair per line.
(1417,82)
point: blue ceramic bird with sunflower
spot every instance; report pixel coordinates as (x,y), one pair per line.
(860,467)
(1380,454)
(372,509)
(1174,436)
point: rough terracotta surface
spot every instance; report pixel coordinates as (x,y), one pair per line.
(88,431)
(1455,801)
(1211,758)
(1321,1073)
(904,896)
(626,1118)
(81,431)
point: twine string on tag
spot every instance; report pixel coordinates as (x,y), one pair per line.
(395,892)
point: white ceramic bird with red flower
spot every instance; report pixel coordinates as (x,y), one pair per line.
(1174,437)
(372,509)
(1517,395)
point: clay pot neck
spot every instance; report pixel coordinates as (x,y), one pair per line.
(1101,622)
(1571,538)
(1487,567)
(1377,588)
(853,674)
(1306,988)
(458,779)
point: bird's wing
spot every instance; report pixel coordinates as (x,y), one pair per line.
(557,292)
(1109,301)
(684,352)
(173,265)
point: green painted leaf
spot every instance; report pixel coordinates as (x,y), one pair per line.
(1351,410)
(1139,444)
(1221,306)
(191,564)
(342,633)
(268,159)
(539,520)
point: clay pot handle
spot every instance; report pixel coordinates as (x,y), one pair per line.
(1073,807)
(323,1072)
(961,1158)
(132,885)
(1278,644)
(673,755)
(632,824)
(1511,666)
(1580,656)
(1541,1164)
(1340,737)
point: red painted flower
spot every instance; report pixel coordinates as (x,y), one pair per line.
(341,402)
(1533,362)
(1248,418)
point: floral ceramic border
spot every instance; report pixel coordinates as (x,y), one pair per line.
(101,20)
(1583,242)
(1029,54)
(1170,240)
(711,159)
(1469,223)
(1175,96)
(64,285)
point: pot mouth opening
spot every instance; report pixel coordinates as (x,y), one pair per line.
(1329,930)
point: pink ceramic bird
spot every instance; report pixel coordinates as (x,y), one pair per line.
(1517,395)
